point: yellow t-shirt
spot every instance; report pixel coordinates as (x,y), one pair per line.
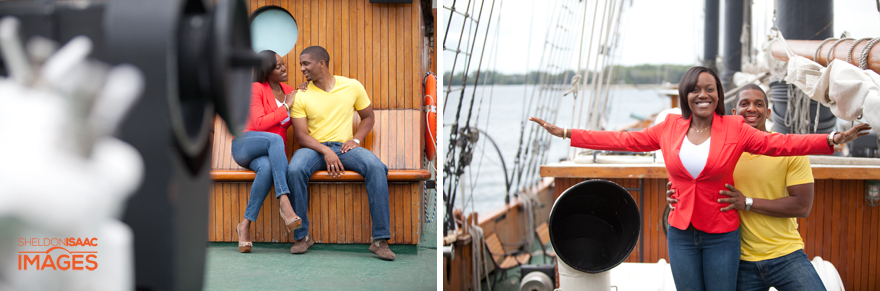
(766,237)
(330,115)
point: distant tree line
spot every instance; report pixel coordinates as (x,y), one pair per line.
(639,74)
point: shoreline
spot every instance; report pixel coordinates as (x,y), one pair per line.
(561,86)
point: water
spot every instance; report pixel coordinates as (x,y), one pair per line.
(502,119)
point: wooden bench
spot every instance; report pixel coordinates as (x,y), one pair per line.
(338,207)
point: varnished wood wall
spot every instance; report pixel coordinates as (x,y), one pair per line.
(841,227)
(380,45)
(383,47)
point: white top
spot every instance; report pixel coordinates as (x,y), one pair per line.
(694,157)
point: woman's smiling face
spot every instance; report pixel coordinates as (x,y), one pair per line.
(279,73)
(703,99)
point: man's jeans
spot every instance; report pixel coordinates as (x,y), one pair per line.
(703,261)
(306,162)
(789,272)
(263,153)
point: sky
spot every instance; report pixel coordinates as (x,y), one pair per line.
(652,32)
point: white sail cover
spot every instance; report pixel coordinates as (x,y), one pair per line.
(849,91)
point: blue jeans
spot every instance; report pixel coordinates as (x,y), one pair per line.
(789,272)
(306,162)
(703,261)
(262,152)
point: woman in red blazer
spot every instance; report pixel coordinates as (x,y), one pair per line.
(261,146)
(701,148)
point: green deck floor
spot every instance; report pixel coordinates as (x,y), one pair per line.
(324,267)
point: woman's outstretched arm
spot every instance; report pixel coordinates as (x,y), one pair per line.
(637,141)
(776,144)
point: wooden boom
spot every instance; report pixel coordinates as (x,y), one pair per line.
(807,49)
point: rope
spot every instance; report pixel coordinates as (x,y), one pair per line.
(863,62)
(597,110)
(542,140)
(611,66)
(479,259)
(586,72)
(494,61)
(592,122)
(545,139)
(819,48)
(831,50)
(574,88)
(426,163)
(431,134)
(853,47)
(457,52)
(523,148)
(578,73)
(524,165)
(777,68)
(530,204)
(797,111)
(464,137)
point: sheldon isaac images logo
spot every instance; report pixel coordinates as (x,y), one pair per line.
(62,254)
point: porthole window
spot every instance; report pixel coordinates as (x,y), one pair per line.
(273,28)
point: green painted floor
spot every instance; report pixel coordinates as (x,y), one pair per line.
(324,267)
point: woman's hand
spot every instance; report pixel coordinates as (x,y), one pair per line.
(852,134)
(290,98)
(552,129)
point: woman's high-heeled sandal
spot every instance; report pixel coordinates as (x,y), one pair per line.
(244,246)
(293,223)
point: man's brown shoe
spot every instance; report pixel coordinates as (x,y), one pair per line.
(380,247)
(302,245)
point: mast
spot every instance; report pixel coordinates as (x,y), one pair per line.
(803,20)
(710,35)
(806,19)
(733,22)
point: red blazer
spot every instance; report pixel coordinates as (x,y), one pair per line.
(265,114)
(698,198)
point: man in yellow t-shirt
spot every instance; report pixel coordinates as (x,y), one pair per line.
(322,124)
(770,194)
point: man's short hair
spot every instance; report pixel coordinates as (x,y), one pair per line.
(751,86)
(319,53)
